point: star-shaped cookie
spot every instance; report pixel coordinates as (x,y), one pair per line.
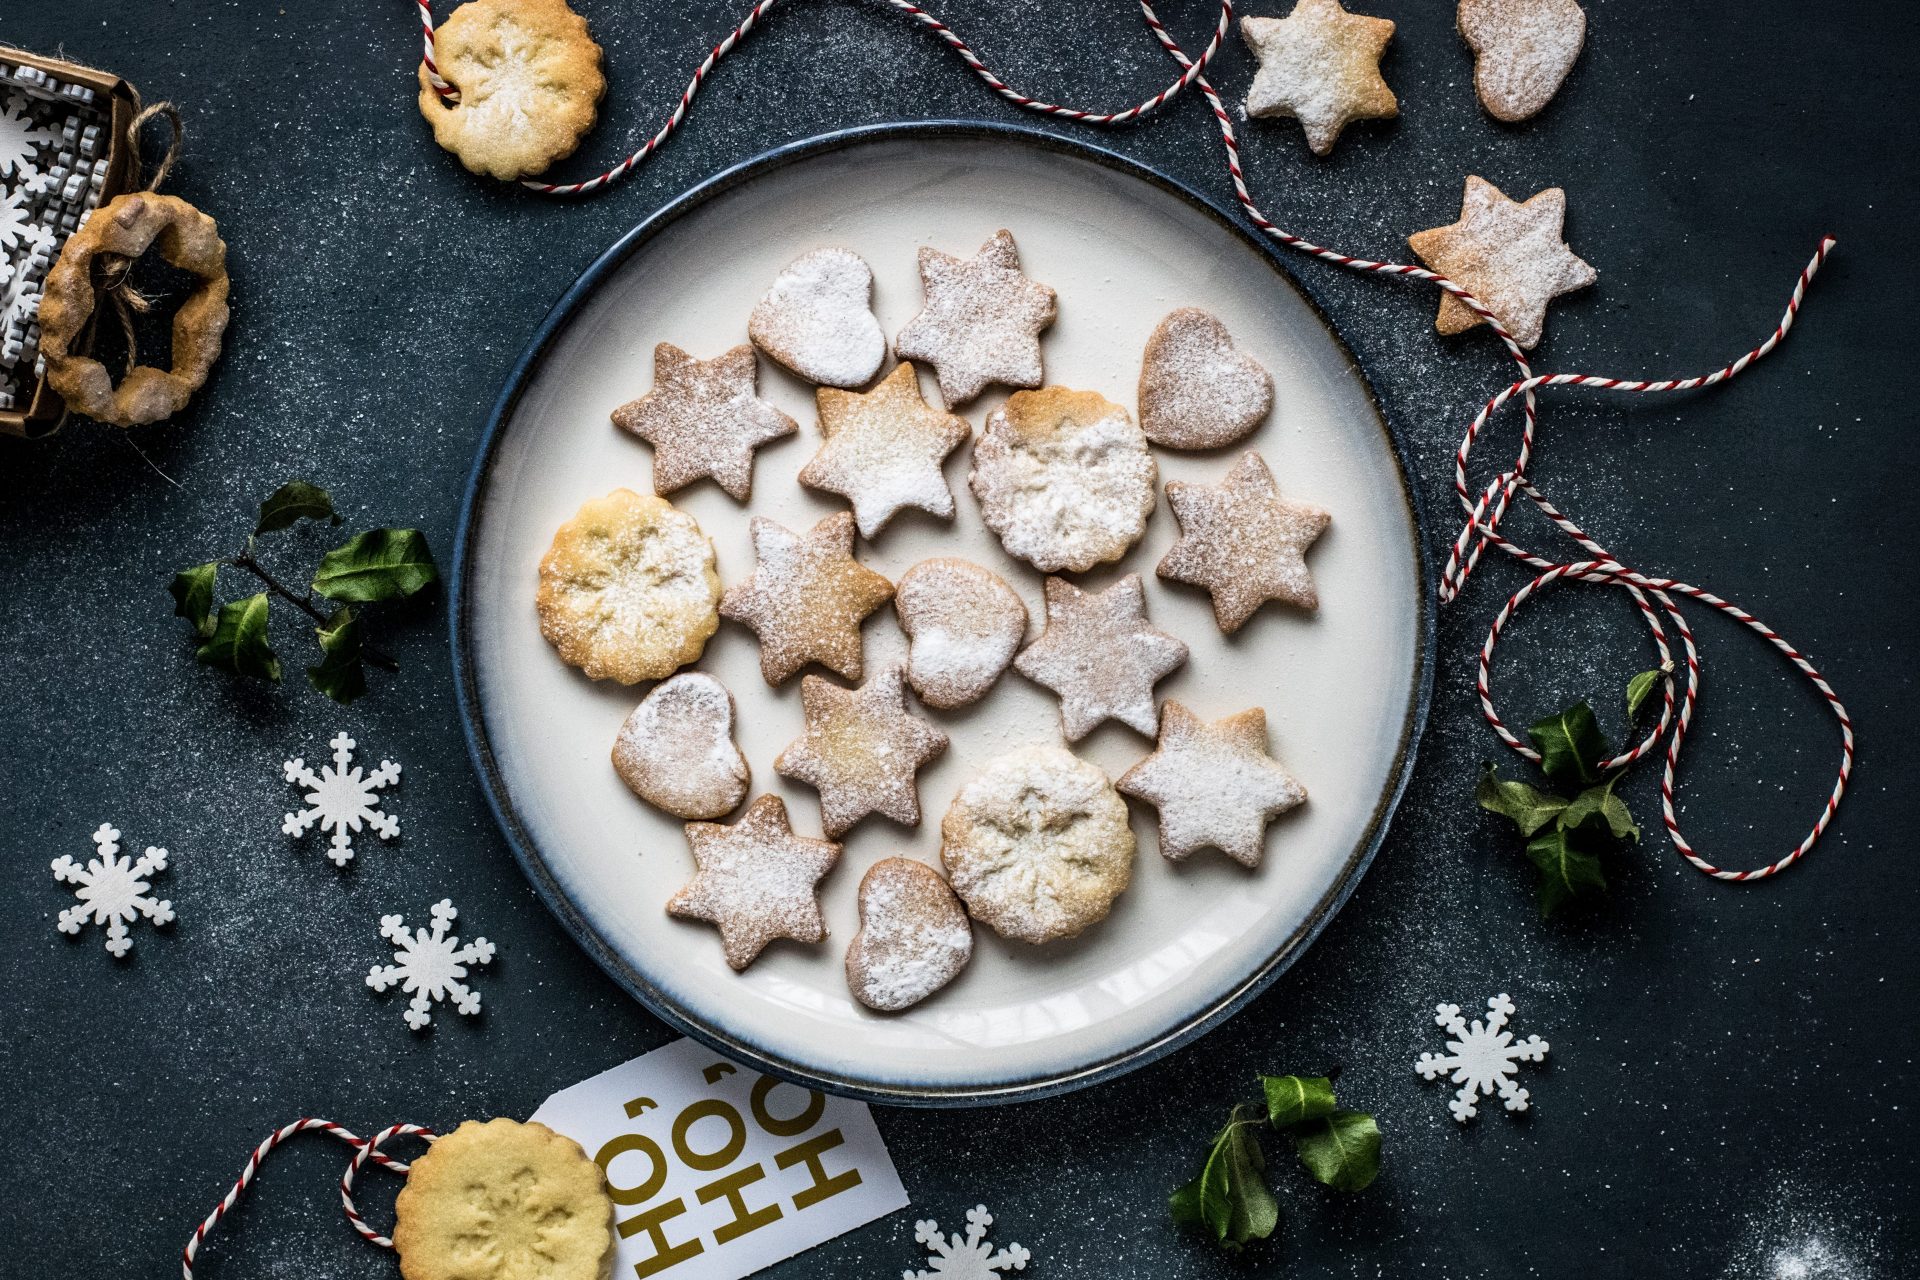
(1100,655)
(981,321)
(1321,66)
(883,450)
(703,419)
(806,598)
(755,881)
(1512,257)
(1214,784)
(1243,542)
(861,751)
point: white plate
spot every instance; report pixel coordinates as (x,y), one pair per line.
(1345,690)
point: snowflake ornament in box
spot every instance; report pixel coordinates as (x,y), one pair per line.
(21,138)
(1482,1057)
(113,890)
(341,798)
(430,964)
(967,1257)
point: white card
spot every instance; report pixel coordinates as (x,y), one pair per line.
(716,1170)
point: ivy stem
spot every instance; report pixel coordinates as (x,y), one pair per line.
(305,604)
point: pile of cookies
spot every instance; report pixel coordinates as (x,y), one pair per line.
(1039,844)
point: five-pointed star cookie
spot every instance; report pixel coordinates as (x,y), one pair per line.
(1214,784)
(981,321)
(883,450)
(703,419)
(1243,542)
(861,751)
(1321,66)
(1100,655)
(1512,257)
(806,598)
(755,881)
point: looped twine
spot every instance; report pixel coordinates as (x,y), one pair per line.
(115,270)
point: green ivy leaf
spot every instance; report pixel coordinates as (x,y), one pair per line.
(1642,686)
(1230,1199)
(1342,1149)
(1570,745)
(340,673)
(1528,807)
(1565,871)
(192,591)
(292,502)
(380,564)
(239,641)
(1599,806)
(1293,1099)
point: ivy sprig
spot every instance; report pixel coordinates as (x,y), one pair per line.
(368,568)
(1231,1200)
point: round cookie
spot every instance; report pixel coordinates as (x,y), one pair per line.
(676,750)
(1196,390)
(1064,478)
(963,624)
(914,936)
(628,590)
(817,319)
(1038,845)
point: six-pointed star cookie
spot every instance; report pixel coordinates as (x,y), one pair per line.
(1100,655)
(1243,542)
(1321,66)
(806,598)
(703,419)
(1214,784)
(981,321)
(755,881)
(1512,257)
(883,450)
(861,751)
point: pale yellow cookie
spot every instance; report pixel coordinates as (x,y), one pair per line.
(676,751)
(914,936)
(502,1200)
(628,589)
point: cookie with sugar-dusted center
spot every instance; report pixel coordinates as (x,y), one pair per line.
(1243,542)
(1038,845)
(1512,256)
(914,936)
(1320,65)
(963,624)
(861,751)
(1197,391)
(981,321)
(1064,479)
(817,319)
(1523,50)
(755,881)
(882,450)
(1214,784)
(676,749)
(1100,655)
(703,419)
(807,598)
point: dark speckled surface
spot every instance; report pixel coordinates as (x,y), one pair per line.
(1733,1067)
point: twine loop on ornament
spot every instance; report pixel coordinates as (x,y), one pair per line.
(114,271)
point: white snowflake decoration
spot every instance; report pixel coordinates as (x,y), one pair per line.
(966,1257)
(15,222)
(113,890)
(430,964)
(20,137)
(341,798)
(1483,1057)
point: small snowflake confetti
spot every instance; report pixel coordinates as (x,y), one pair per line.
(113,890)
(1483,1057)
(430,964)
(966,1257)
(341,798)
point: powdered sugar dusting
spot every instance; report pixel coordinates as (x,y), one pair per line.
(963,624)
(1101,656)
(981,323)
(1525,49)
(676,749)
(1214,784)
(883,451)
(755,881)
(703,418)
(1196,390)
(1320,65)
(817,319)
(914,937)
(861,751)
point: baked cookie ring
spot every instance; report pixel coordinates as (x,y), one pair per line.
(127,227)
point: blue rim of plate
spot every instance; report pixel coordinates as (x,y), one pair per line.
(527,854)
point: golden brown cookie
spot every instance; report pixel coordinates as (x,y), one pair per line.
(914,936)
(1038,846)
(1512,257)
(1320,65)
(818,321)
(703,419)
(861,751)
(1522,50)
(676,750)
(502,1200)
(627,590)
(882,450)
(807,598)
(529,80)
(981,321)
(1243,542)
(1214,784)
(1196,390)
(755,881)
(1101,656)
(1064,478)
(963,624)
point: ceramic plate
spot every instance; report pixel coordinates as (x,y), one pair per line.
(1344,689)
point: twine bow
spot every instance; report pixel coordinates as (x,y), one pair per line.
(115,271)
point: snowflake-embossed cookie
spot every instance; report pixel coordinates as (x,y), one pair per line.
(1523,50)
(807,598)
(1213,783)
(883,450)
(703,419)
(1243,542)
(1101,656)
(817,319)
(628,588)
(1196,390)
(963,624)
(861,751)
(1320,65)
(676,749)
(914,936)
(981,322)
(755,881)
(1512,256)
(1064,479)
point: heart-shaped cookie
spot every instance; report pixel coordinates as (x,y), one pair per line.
(818,320)
(676,750)
(1196,390)
(1522,49)
(914,936)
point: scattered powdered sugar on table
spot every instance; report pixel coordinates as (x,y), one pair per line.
(1803,1234)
